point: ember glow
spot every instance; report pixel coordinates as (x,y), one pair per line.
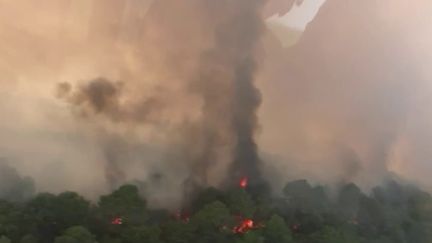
(212,121)
(245,226)
(295,227)
(244,182)
(117,221)
(182,216)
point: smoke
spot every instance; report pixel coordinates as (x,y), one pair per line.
(339,102)
(99,96)
(226,82)
(103,97)
(280,7)
(201,93)
(222,79)
(13,186)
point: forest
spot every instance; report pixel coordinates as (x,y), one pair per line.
(97,93)
(302,213)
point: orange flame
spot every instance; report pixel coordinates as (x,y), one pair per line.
(245,226)
(117,221)
(244,182)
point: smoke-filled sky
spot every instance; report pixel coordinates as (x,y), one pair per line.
(299,16)
(97,93)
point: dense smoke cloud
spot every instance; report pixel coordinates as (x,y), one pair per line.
(222,79)
(226,81)
(349,91)
(103,97)
(177,97)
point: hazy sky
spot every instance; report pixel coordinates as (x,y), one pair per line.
(301,15)
(356,86)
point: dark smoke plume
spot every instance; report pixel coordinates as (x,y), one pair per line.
(223,81)
(226,83)
(348,102)
(98,96)
(103,97)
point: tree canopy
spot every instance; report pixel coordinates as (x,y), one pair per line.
(303,213)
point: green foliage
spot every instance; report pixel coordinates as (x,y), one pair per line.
(393,213)
(348,201)
(76,234)
(73,208)
(142,234)
(241,203)
(251,237)
(213,214)
(207,196)
(276,230)
(305,197)
(52,214)
(178,232)
(109,239)
(10,220)
(66,209)
(333,235)
(4,239)
(29,239)
(157,216)
(65,239)
(125,202)
(209,221)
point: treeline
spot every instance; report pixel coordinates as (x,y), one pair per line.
(303,214)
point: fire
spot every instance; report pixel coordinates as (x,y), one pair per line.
(182,216)
(117,221)
(245,226)
(244,182)
(295,227)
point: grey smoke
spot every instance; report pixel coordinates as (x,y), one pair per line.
(223,80)
(13,186)
(350,84)
(103,97)
(98,96)
(226,82)
(348,102)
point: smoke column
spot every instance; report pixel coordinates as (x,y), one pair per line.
(227,86)
(222,81)
(178,98)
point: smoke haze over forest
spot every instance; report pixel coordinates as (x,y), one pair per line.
(163,93)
